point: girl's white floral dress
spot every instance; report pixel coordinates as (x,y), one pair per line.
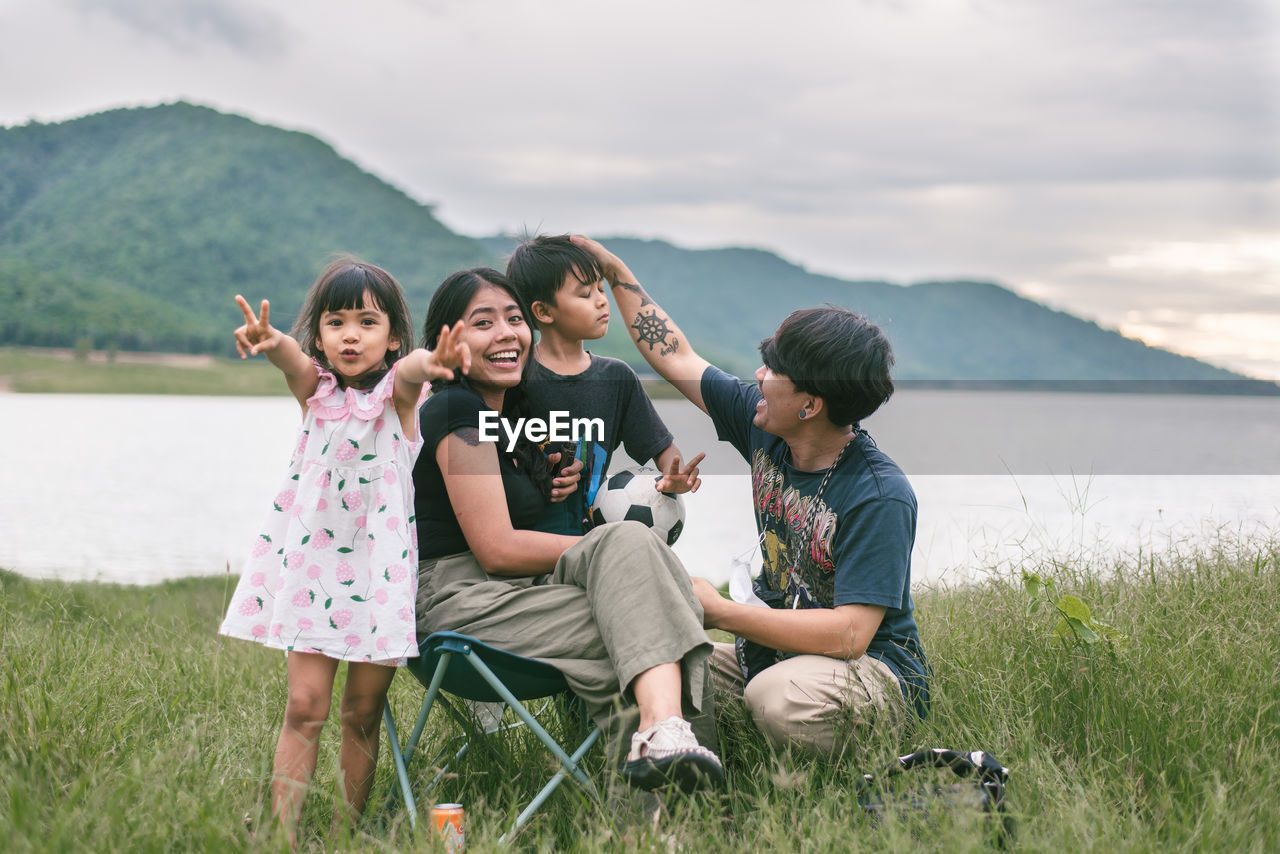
(334,569)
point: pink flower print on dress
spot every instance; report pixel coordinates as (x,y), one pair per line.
(262,545)
(346,451)
(395,573)
(345,573)
(304,624)
(313,571)
(382,644)
(323,480)
(341,618)
(258,579)
(371,543)
(380,502)
(284,500)
(379,424)
(302,445)
(351,500)
(395,445)
(361,521)
(259,631)
(390,477)
(322,539)
(277,629)
(293,560)
(322,505)
(393,523)
(303,599)
(405,613)
(250,606)
(352,640)
(296,512)
(381,596)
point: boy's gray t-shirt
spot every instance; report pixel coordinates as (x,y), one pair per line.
(610,391)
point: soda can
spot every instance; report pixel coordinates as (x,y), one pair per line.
(447,819)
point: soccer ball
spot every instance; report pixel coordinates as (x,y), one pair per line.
(632,494)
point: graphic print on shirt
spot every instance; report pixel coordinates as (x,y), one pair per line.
(789,520)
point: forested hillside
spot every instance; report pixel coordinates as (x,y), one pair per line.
(137,227)
(133,229)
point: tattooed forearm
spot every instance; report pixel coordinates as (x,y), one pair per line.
(652,329)
(470,435)
(637,290)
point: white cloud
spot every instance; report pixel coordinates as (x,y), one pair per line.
(1105,157)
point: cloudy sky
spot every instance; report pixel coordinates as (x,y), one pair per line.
(1120,160)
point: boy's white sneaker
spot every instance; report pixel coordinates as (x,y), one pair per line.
(668,753)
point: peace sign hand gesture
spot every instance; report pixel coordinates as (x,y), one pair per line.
(676,479)
(257,335)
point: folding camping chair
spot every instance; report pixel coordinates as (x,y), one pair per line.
(468,669)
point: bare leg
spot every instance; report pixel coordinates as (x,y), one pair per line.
(657,693)
(305,711)
(664,750)
(363,698)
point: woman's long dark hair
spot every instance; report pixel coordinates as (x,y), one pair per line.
(447,306)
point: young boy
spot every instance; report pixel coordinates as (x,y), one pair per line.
(563,286)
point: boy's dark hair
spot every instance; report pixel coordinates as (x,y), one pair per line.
(342,285)
(538,266)
(835,354)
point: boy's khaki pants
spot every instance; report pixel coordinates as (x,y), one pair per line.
(814,702)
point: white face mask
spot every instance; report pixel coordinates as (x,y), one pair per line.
(740,589)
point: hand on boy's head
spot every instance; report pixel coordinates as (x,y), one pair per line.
(604,257)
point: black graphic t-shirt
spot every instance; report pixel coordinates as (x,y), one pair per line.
(610,392)
(853,547)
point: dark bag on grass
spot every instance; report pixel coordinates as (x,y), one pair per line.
(981,789)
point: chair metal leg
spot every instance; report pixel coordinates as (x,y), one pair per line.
(402,774)
(568,763)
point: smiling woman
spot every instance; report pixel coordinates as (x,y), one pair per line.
(614,610)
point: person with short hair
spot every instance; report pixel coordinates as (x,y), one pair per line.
(837,650)
(564,289)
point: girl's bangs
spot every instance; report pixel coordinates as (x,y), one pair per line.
(347,289)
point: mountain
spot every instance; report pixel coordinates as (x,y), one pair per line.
(137,227)
(943,333)
(134,228)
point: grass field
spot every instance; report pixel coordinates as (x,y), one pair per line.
(50,371)
(29,369)
(126,724)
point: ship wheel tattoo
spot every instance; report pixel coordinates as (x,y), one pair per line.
(652,329)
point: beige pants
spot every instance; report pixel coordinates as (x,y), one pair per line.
(814,702)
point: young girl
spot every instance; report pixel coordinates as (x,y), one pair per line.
(332,574)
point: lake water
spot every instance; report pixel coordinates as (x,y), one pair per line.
(139,489)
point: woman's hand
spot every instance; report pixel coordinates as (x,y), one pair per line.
(676,480)
(566,483)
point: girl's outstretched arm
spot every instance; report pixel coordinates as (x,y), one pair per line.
(421,366)
(257,335)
